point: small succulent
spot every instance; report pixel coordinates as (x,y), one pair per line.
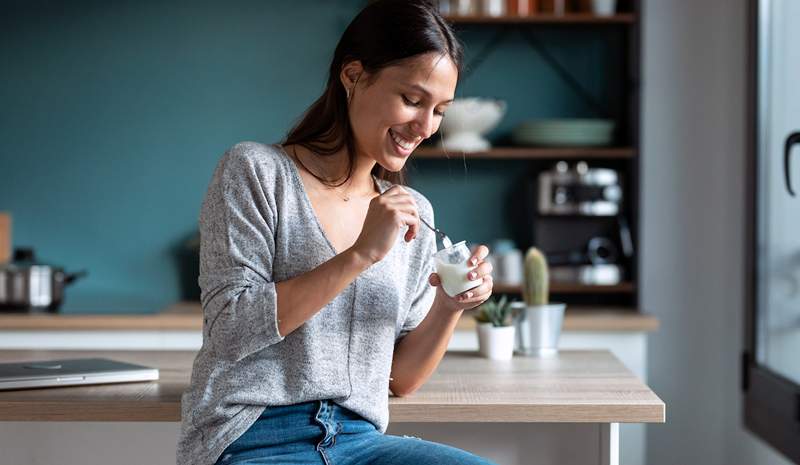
(498,312)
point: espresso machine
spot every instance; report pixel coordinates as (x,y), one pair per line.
(578,221)
(579,190)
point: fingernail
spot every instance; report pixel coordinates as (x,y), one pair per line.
(469,295)
(474,260)
(472,275)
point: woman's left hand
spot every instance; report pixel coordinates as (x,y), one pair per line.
(481,274)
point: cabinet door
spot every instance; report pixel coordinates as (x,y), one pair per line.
(772,368)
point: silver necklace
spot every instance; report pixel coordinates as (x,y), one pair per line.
(346,196)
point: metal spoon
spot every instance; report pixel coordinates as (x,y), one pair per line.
(445,240)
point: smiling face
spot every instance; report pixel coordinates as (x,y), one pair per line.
(398,108)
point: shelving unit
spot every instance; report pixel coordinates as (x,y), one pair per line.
(624,156)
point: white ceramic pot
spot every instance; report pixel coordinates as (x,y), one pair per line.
(496,342)
(468,120)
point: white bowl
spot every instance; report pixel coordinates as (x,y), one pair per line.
(467,120)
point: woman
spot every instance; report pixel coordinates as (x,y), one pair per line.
(317,291)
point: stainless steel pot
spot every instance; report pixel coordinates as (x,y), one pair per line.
(26,285)
(538,328)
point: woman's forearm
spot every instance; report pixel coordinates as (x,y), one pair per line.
(418,354)
(301,297)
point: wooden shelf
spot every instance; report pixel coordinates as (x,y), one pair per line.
(530,153)
(545,18)
(568,288)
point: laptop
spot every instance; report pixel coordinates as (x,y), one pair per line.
(71,372)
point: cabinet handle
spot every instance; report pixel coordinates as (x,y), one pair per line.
(793,138)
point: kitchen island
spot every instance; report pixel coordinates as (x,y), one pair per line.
(560,410)
(178,327)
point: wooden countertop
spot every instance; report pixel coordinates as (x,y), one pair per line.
(573,387)
(187,316)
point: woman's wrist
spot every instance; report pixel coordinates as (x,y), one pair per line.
(446,306)
(357,259)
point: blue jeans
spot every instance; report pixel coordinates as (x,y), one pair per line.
(324,433)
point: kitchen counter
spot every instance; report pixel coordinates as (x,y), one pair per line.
(575,387)
(187,316)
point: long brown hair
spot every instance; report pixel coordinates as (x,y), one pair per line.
(383,34)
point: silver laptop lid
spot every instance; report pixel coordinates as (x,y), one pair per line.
(71,372)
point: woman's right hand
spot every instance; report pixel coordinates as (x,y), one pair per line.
(388,214)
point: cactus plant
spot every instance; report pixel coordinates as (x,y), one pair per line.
(537,280)
(497,312)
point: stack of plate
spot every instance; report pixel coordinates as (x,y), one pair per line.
(565,132)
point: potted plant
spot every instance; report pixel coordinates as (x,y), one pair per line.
(496,329)
(539,322)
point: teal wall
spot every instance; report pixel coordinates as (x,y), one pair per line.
(114,114)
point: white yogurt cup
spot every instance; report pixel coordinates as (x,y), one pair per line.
(452,267)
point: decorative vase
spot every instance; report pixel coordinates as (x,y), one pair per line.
(496,342)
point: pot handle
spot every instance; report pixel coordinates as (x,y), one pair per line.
(70,277)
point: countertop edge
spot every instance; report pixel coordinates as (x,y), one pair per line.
(398,413)
(187,316)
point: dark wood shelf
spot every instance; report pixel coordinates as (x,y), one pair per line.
(545,18)
(531,153)
(568,288)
